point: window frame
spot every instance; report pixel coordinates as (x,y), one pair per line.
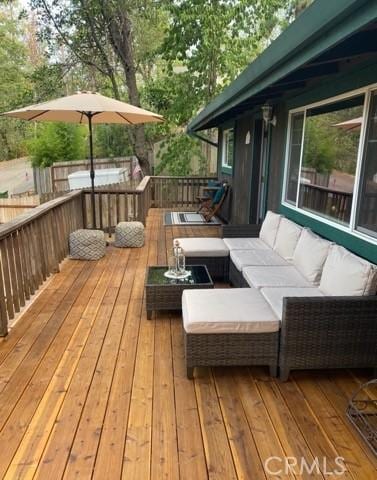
(225,167)
(352,227)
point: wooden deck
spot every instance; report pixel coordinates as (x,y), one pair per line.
(89,388)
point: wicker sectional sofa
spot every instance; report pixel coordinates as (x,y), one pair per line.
(323,297)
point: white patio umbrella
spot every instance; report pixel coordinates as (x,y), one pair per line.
(86,107)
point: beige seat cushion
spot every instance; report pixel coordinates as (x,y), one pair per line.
(245,258)
(259,277)
(347,274)
(245,244)
(203,247)
(286,238)
(310,255)
(275,296)
(230,310)
(269,228)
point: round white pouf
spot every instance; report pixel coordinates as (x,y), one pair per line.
(129,234)
(87,244)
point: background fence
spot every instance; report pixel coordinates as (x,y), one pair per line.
(55,178)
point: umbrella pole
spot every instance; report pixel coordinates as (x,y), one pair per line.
(92,174)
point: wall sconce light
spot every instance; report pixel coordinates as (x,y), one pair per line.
(267,114)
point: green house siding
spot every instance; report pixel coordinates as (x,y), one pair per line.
(357,245)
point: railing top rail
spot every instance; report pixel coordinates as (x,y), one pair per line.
(326,189)
(143,184)
(35,213)
(86,161)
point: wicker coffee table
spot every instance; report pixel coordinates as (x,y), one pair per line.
(166,294)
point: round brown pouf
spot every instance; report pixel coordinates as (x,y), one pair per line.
(129,234)
(87,244)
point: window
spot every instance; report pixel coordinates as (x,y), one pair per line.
(331,165)
(297,124)
(367,207)
(228,149)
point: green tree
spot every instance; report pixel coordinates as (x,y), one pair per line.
(177,155)
(56,142)
(112,39)
(111,141)
(215,40)
(14,83)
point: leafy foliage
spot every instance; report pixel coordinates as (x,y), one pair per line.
(14,84)
(177,155)
(56,142)
(111,141)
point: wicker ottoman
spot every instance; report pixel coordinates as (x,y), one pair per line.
(87,244)
(229,327)
(211,252)
(129,234)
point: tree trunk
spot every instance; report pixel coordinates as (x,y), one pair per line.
(120,33)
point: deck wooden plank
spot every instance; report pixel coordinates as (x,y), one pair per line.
(338,389)
(15,387)
(138,445)
(26,321)
(92,389)
(37,321)
(83,453)
(55,454)
(245,454)
(192,463)
(109,461)
(164,430)
(295,444)
(266,439)
(216,443)
(354,456)
(63,355)
(138,441)
(312,430)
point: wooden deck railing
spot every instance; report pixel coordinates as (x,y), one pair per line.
(115,205)
(31,248)
(174,192)
(330,202)
(33,244)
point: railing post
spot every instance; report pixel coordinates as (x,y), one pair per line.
(3,307)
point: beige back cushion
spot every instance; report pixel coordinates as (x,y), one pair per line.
(310,255)
(347,274)
(269,228)
(286,238)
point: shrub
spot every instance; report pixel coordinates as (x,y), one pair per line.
(57,142)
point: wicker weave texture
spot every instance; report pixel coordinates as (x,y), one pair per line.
(217,266)
(87,244)
(239,231)
(129,234)
(328,332)
(231,349)
(236,279)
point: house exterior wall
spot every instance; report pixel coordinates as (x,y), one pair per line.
(238,209)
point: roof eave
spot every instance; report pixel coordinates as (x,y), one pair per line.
(309,35)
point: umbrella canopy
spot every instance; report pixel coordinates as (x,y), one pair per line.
(74,109)
(86,107)
(352,124)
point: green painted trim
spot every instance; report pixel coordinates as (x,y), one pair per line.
(355,244)
(321,26)
(362,76)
